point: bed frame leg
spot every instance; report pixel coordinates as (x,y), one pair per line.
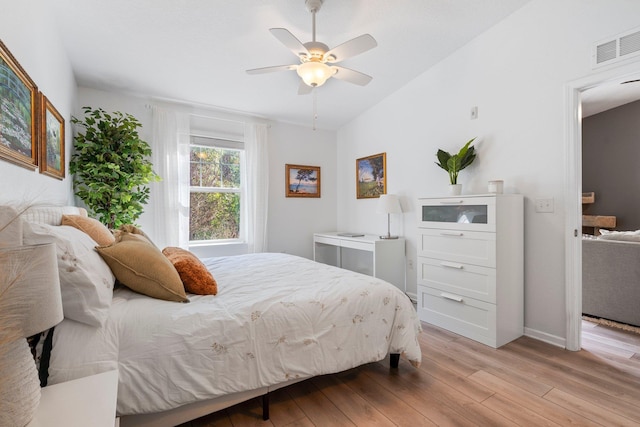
(395,360)
(265,407)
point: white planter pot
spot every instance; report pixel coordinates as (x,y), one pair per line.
(455,189)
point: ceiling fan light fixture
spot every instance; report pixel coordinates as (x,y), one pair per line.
(314,74)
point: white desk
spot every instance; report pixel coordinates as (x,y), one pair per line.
(368,254)
(88,401)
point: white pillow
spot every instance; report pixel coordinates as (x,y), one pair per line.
(629,236)
(86,280)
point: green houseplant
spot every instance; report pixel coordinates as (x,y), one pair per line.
(454,163)
(111,166)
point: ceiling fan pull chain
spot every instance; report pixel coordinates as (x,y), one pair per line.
(315,108)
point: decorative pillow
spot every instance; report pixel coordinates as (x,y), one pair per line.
(94,228)
(124,236)
(86,282)
(193,273)
(142,268)
(629,236)
(131,229)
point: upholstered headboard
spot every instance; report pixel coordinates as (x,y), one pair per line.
(13,219)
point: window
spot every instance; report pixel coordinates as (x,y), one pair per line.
(215,199)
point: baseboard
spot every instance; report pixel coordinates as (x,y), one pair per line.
(545,337)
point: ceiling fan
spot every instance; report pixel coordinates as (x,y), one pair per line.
(315,57)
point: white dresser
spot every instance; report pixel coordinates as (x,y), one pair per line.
(470,265)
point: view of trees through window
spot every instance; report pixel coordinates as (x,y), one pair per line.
(215,193)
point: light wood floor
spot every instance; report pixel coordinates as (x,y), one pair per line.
(463,383)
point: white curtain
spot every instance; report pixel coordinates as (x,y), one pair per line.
(170,197)
(256,190)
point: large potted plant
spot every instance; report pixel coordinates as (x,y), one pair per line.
(454,163)
(111,166)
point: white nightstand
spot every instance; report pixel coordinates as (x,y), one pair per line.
(88,401)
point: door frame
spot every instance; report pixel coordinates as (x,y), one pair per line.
(573,190)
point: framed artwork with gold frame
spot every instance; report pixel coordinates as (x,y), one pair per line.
(18,120)
(371,176)
(302,181)
(51,139)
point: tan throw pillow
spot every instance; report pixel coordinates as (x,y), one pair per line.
(131,229)
(94,228)
(125,236)
(144,269)
(193,273)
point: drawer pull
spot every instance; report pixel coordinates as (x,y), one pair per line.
(452,265)
(451,202)
(451,297)
(451,233)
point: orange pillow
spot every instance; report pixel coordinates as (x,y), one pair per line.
(94,228)
(193,273)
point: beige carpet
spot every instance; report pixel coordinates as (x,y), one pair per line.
(611,323)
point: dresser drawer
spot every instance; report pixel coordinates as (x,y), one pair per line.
(469,247)
(463,315)
(458,213)
(458,278)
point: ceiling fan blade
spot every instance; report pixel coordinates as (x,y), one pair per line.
(350,48)
(351,76)
(272,69)
(304,89)
(290,41)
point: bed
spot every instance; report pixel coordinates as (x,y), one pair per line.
(276,319)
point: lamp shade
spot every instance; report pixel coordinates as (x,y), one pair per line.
(389,204)
(30,302)
(30,299)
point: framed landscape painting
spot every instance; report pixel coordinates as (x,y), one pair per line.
(302,181)
(18,132)
(51,140)
(371,176)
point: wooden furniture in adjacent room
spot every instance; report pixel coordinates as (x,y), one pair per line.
(470,265)
(591,223)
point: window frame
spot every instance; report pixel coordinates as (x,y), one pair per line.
(223,143)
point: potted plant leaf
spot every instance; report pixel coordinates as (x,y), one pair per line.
(454,163)
(111,166)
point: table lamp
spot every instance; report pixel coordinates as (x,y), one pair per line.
(30,303)
(389,204)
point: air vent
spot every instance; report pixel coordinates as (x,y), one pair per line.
(607,51)
(630,44)
(616,49)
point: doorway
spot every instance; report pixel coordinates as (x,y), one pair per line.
(573,190)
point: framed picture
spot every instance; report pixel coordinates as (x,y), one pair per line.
(18,131)
(302,181)
(51,139)
(371,176)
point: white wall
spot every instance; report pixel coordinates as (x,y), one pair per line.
(27,31)
(516,74)
(291,222)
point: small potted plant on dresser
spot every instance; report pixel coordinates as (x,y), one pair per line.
(454,163)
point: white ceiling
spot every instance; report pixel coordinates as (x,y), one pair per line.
(610,95)
(197,51)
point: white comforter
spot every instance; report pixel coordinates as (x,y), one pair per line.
(276,318)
